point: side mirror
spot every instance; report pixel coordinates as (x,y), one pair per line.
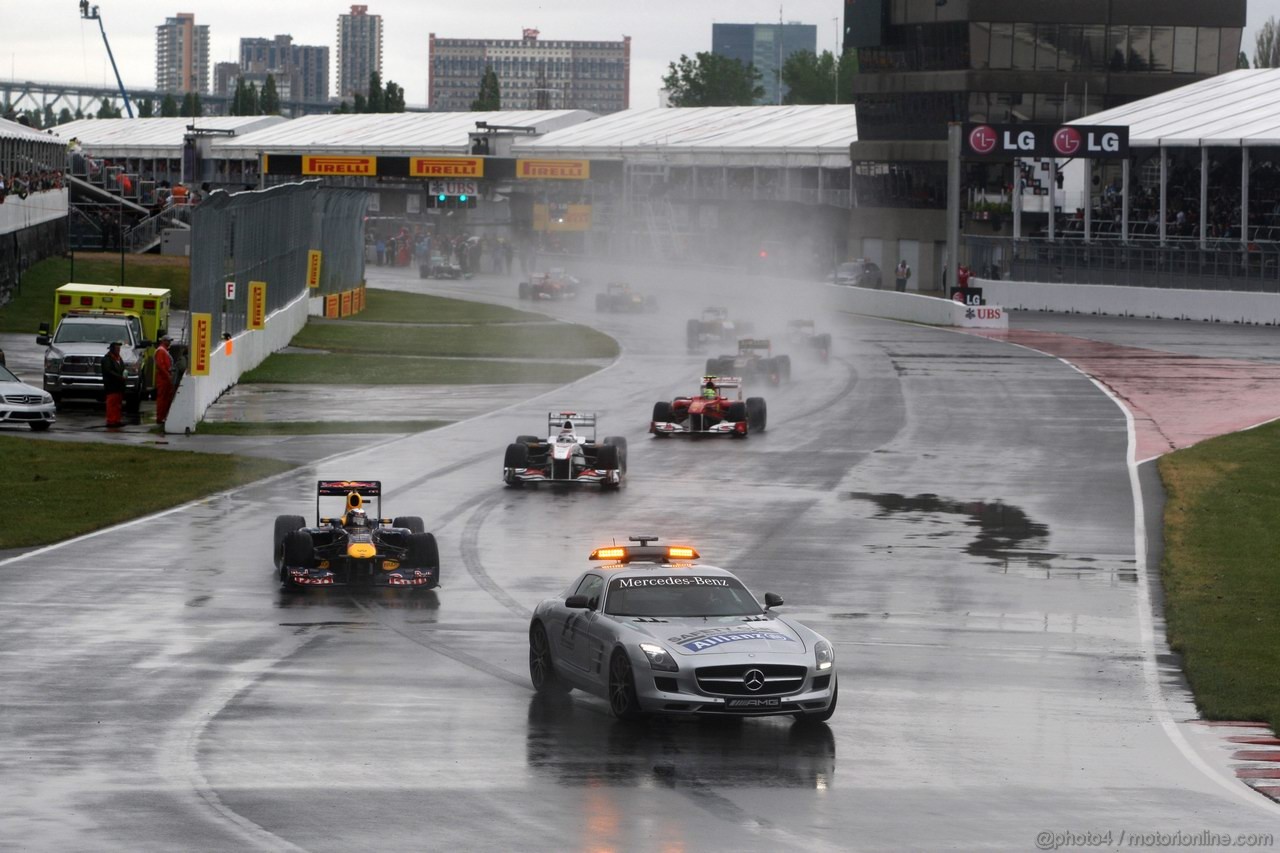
(577,602)
(42,339)
(772,599)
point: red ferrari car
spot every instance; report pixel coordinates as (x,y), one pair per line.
(711,412)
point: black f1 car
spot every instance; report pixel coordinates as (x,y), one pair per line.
(569,454)
(755,360)
(620,298)
(804,333)
(713,325)
(355,549)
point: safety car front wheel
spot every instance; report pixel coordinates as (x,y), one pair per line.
(623,700)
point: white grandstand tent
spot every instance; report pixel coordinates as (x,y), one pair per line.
(389,134)
(767,136)
(13,130)
(153,137)
(1239,109)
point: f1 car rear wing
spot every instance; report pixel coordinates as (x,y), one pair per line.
(355,491)
(583,423)
(746,345)
(723,381)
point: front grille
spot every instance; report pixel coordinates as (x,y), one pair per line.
(22,399)
(80,369)
(729,680)
(820,682)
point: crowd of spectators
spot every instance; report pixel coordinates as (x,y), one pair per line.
(23,184)
(471,254)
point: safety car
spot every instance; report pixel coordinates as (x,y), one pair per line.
(653,631)
(21,403)
(619,297)
(804,333)
(555,283)
(754,360)
(569,454)
(354,548)
(711,412)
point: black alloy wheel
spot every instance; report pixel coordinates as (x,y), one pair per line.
(542,671)
(622,688)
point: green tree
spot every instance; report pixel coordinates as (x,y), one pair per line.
(252,105)
(808,78)
(65,116)
(343,108)
(108,111)
(374,101)
(191,105)
(79,114)
(31,118)
(711,80)
(1266,52)
(1242,61)
(48,118)
(270,101)
(146,108)
(393,98)
(359,104)
(490,98)
(168,107)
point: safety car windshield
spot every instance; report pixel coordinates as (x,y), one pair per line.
(80,333)
(680,595)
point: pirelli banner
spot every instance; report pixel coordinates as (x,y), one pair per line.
(437,168)
(446,167)
(553,170)
(335,165)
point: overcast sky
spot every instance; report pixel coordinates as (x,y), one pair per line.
(46,40)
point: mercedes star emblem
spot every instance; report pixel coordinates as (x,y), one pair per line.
(753,679)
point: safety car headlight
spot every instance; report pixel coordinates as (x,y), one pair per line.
(53,360)
(659,659)
(824,655)
(46,398)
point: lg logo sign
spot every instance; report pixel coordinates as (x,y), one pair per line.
(982,139)
(1069,142)
(1030,140)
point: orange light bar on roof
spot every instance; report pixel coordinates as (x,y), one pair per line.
(609,553)
(681,552)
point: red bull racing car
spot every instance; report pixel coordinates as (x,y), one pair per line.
(354,548)
(755,359)
(569,454)
(712,412)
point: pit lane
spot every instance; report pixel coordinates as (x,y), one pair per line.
(954,513)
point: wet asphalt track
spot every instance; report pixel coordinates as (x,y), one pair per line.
(954,513)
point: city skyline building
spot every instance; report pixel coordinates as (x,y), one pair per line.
(767,47)
(303,69)
(182,55)
(532,73)
(359,51)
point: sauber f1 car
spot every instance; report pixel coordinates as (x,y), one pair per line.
(620,298)
(553,284)
(755,359)
(569,454)
(653,632)
(802,332)
(712,412)
(713,325)
(355,549)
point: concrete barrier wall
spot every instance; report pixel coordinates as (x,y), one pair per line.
(249,349)
(19,213)
(1157,303)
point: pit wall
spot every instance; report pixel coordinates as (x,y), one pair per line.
(19,213)
(1215,306)
(249,349)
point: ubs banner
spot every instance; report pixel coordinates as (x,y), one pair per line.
(1007,141)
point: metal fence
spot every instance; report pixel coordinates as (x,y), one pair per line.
(1183,266)
(265,235)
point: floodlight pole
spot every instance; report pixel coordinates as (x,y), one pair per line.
(91,14)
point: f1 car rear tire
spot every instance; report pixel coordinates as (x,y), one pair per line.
(525,290)
(825,714)
(620,443)
(412,523)
(757,414)
(623,700)
(736,412)
(285,524)
(299,551)
(423,552)
(542,669)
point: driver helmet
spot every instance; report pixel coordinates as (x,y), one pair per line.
(568,427)
(357,518)
(709,391)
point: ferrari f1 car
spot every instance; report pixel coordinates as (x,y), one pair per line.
(802,332)
(620,298)
(553,284)
(713,325)
(755,359)
(712,412)
(653,632)
(569,454)
(354,549)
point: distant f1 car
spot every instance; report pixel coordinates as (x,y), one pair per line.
(713,325)
(620,298)
(802,332)
(553,284)
(569,454)
(438,266)
(354,549)
(712,412)
(755,359)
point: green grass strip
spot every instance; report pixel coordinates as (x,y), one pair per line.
(394,306)
(1222,574)
(315,427)
(32,304)
(70,488)
(558,340)
(394,370)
